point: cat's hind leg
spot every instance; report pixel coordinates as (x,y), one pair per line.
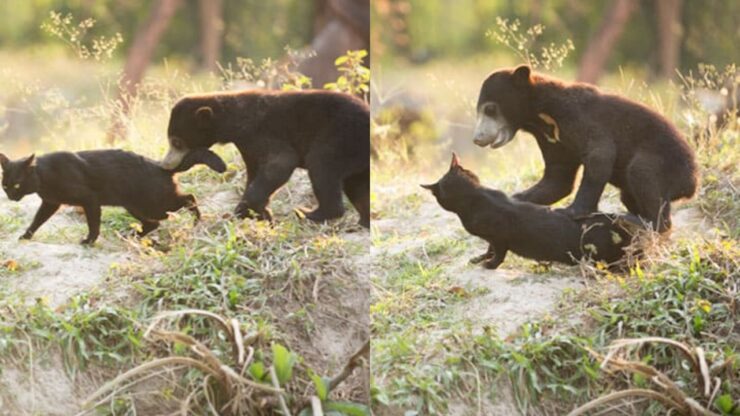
(189,202)
(147,224)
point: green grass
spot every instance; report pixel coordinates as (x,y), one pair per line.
(427,356)
(283,283)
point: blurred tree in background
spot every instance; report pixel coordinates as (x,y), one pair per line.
(660,35)
(254,28)
(198,35)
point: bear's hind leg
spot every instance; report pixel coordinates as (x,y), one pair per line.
(629,201)
(327,188)
(357,189)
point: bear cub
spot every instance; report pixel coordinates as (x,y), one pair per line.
(527,229)
(616,140)
(327,133)
(91,179)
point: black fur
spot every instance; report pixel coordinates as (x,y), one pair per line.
(618,141)
(92,179)
(527,229)
(276,132)
(201,156)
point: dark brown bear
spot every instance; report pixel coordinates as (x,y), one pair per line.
(325,132)
(616,140)
(527,229)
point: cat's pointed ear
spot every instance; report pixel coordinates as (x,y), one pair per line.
(30,161)
(455,161)
(432,187)
(3,160)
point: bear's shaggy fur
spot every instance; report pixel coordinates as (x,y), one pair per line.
(617,140)
(527,229)
(327,133)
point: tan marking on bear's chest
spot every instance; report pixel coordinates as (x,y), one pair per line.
(555,138)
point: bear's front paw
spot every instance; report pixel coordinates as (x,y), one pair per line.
(88,241)
(320,216)
(265,215)
(243,211)
(26,236)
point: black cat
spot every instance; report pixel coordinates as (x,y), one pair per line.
(527,229)
(91,179)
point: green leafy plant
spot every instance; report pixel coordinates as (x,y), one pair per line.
(229,391)
(354,76)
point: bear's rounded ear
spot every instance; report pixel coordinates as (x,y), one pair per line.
(522,74)
(3,160)
(204,115)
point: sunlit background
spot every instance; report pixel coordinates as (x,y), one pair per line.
(95,73)
(430,57)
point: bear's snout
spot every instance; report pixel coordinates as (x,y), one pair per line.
(491,131)
(173,158)
(495,140)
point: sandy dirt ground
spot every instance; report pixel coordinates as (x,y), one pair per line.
(55,268)
(505,298)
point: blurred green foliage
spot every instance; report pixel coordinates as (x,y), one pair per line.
(420,30)
(254,28)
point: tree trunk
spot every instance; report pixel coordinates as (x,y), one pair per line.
(138,59)
(211,32)
(146,41)
(601,44)
(340,25)
(669,35)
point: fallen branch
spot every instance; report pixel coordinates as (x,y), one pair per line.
(354,362)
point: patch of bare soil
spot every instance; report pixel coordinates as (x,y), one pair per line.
(512,296)
(55,267)
(44,389)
